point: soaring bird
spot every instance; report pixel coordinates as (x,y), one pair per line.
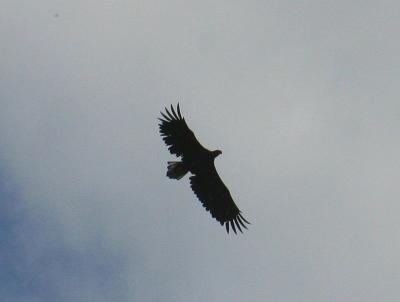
(204,181)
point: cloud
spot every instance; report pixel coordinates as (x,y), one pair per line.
(301,98)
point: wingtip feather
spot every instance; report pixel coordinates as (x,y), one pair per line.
(240,215)
(179,112)
(174,113)
(169,114)
(233,226)
(238,226)
(166,117)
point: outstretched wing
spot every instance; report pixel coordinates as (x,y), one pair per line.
(216,198)
(177,135)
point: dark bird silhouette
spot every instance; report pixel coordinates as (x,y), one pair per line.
(205,181)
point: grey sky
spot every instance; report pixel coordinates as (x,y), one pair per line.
(302,98)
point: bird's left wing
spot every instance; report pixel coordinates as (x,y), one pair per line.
(216,198)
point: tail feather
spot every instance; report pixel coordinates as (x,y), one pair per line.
(176,169)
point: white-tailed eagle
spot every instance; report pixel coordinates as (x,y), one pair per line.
(204,181)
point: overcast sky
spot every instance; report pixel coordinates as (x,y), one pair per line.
(302,97)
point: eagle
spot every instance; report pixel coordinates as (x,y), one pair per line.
(199,161)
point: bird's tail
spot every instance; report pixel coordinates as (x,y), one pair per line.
(176,169)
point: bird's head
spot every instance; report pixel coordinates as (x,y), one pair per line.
(216,153)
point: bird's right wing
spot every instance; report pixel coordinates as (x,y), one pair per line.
(177,135)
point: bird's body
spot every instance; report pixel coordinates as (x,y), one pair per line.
(199,161)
